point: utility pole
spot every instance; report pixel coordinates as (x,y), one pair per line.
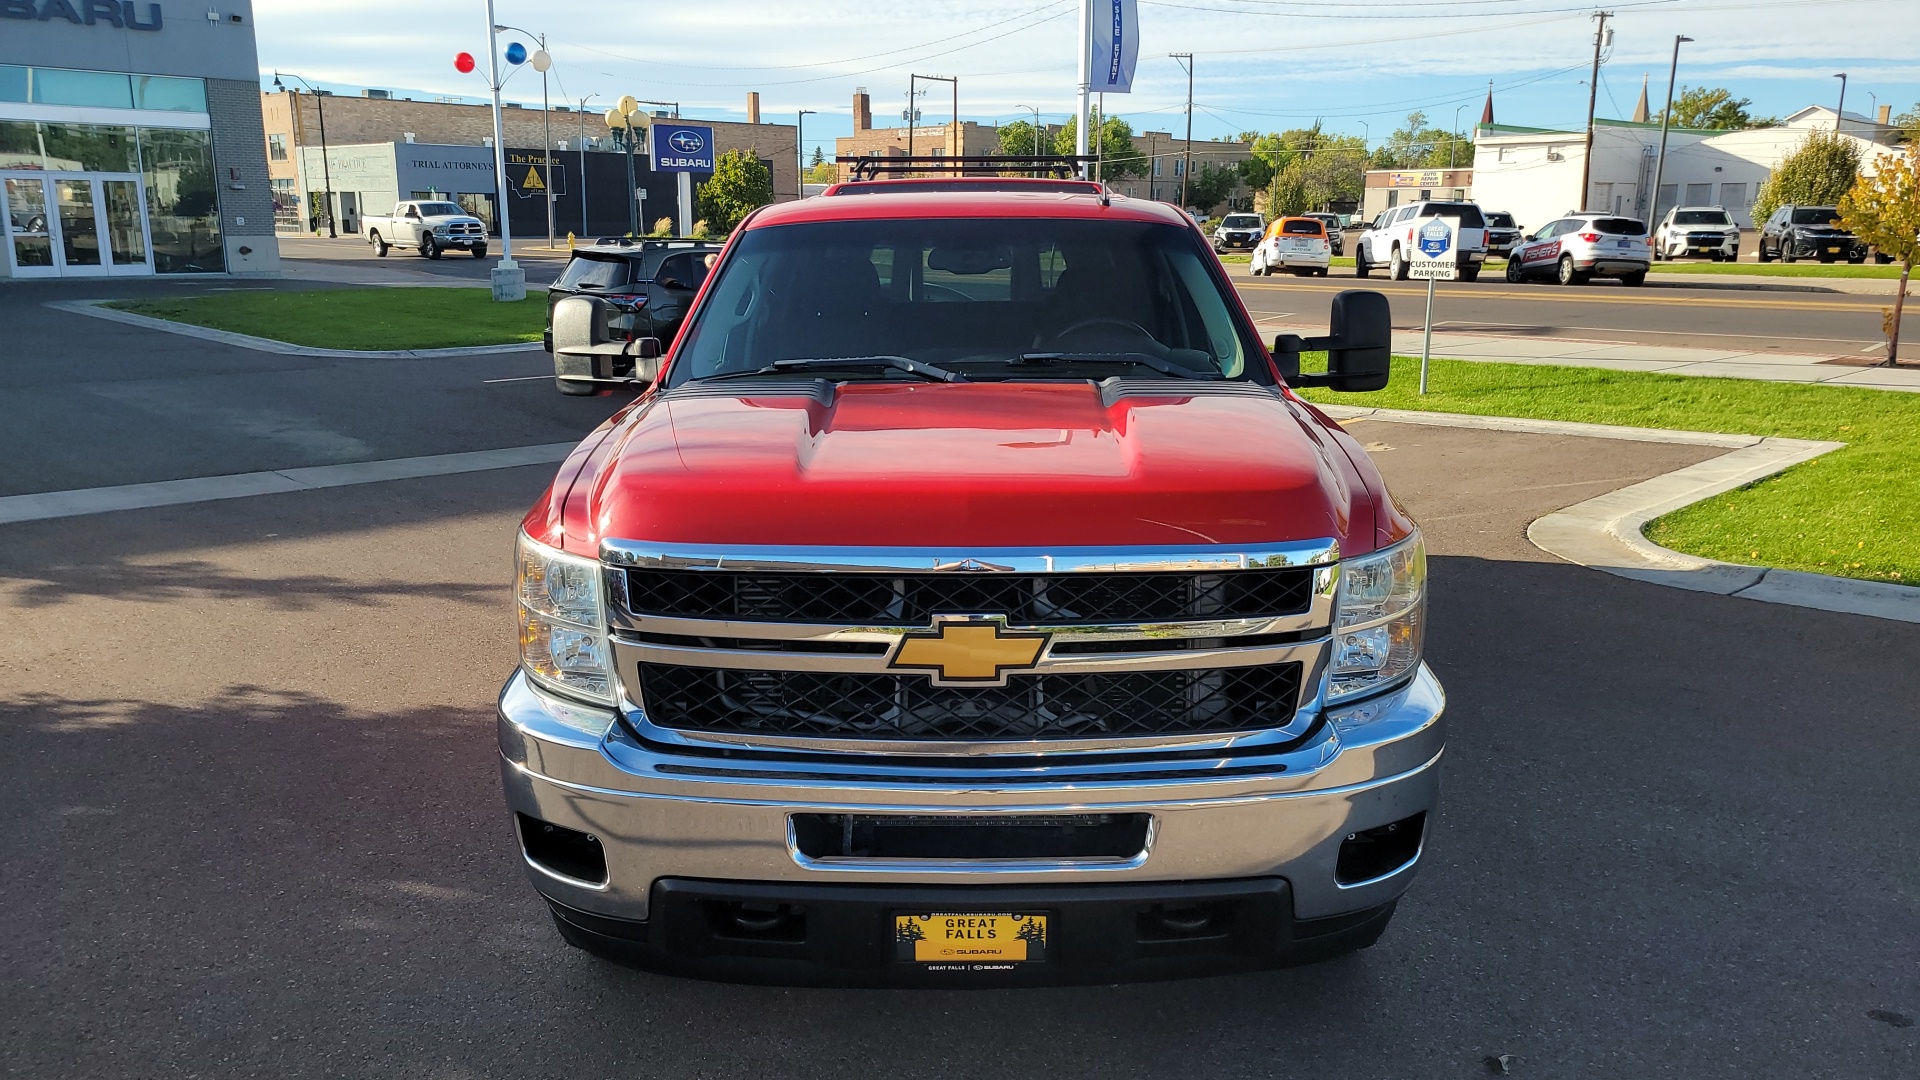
(1666,120)
(800,149)
(1593,91)
(1186,165)
(1086,81)
(954,81)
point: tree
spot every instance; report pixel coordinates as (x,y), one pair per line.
(1713,108)
(1907,126)
(1211,185)
(1816,173)
(1287,194)
(823,172)
(818,159)
(1884,210)
(1113,139)
(1017,139)
(739,185)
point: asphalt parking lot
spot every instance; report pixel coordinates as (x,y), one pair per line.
(252,824)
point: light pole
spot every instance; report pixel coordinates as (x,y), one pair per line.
(621,115)
(1186,165)
(1840,110)
(800,151)
(326,168)
(1666,120)
(1035,109)
(1085,43)
(509,281)
(1453,145)
(541,62)
(582,140)
(1366,136)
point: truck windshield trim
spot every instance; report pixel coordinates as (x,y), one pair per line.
(967,295)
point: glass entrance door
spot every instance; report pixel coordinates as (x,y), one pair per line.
(28,228)
(68,225)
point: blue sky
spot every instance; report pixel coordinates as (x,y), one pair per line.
(1260,64)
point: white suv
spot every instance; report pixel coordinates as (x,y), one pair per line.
(1579,247)
(1389,240)
(1697,230)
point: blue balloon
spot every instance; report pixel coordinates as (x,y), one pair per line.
(516,53)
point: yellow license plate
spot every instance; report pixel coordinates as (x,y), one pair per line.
(970,938)
(1833,251)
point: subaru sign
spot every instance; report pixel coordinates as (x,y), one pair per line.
(682,148)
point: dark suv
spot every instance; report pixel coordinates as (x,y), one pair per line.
(1808,232)
(648,284)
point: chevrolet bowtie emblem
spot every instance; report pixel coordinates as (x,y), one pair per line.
(969,651)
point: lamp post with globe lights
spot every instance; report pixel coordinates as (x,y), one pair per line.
(540,62)
(618,118)
(508,278)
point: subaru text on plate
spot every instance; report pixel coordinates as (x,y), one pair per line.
(970,602)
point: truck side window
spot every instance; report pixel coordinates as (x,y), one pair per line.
(413,211)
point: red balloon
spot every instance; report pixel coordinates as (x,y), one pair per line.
(463,63)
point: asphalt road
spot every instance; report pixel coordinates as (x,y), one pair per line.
(251,826)
(1658,313)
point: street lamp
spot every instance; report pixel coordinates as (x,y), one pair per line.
(1366,135)
(1666,120)
(1035,110)
(1840,110)
(800,150)
(621,115)
(1186,165)
(326,168)
(1453,148)
(541,62)
(508,279)
(577,117)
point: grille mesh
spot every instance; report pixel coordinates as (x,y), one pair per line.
(913,599)
(909,707)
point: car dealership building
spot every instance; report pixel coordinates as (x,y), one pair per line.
(131,141)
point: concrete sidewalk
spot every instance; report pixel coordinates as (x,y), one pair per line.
(1672,360)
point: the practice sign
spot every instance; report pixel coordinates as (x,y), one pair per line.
(682,148)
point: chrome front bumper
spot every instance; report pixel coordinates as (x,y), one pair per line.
(660,813)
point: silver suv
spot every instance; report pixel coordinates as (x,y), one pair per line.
(1238,232)
(1697,230)
(1580,247)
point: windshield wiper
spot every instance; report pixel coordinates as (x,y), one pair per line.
(848,363)
(1136,359)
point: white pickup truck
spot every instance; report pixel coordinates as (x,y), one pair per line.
(431,227)
(1389,240)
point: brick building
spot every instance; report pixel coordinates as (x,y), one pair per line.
(292,121)
(935,139)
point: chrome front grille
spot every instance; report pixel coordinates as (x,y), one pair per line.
(800,649)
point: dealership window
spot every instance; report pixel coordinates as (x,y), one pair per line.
(277,147)
(169,94)
(103,89)
(68,147)
(181,210)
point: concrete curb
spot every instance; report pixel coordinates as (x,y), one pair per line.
(98,309)
(1606,533)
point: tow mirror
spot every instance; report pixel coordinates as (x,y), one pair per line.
(582,352)
(1359,347)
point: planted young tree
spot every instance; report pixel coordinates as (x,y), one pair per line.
(739,185)
(1818,171)
(1884,210)
(1288,195)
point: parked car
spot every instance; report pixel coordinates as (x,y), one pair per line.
(1697,231)
(1579,247)
(1238,232)
(1390,240)
(1808,232)
(429,227)
(647,286)
(1502,233)
(1298,244)
(970,603)
(1333,223)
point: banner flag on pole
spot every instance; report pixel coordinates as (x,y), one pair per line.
(1115,45)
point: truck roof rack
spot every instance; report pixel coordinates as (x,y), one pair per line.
(1060,166)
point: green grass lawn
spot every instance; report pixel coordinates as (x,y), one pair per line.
(361,318)
(1774,269)
(1854,512)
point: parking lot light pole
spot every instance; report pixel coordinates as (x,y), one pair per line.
(326,167)
(541,62)
(800,150)
(509,281)
(1840,110)
(1666,121)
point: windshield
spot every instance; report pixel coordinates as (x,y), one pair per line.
(1816,215)
(440,209)
(595,272)
(1465,212)
(1618,226)
(1500,219)
(1701,217)
(1241,221)
(1095,298)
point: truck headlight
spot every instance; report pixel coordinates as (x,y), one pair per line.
(563,639)
(1380,618)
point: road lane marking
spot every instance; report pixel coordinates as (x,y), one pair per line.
(45,505)
(1561,298)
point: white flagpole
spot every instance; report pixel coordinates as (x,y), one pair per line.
(1086,79)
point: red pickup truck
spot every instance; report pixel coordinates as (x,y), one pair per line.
(971,601)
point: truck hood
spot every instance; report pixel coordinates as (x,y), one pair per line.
(968,464)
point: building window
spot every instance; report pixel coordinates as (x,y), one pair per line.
(1156,166)
(1179,165)
(1734,196)
(1698,194)
(178,169)
(277,147)
(286,204)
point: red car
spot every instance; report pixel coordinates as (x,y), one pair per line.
(971,601)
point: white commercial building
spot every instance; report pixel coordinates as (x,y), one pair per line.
(1534,173)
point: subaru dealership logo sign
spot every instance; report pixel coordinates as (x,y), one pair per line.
(682,148)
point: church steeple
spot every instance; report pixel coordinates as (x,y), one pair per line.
(1486,114)
(1640,115)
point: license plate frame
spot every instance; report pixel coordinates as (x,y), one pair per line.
(971,940)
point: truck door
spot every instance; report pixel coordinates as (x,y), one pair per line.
(675,282)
